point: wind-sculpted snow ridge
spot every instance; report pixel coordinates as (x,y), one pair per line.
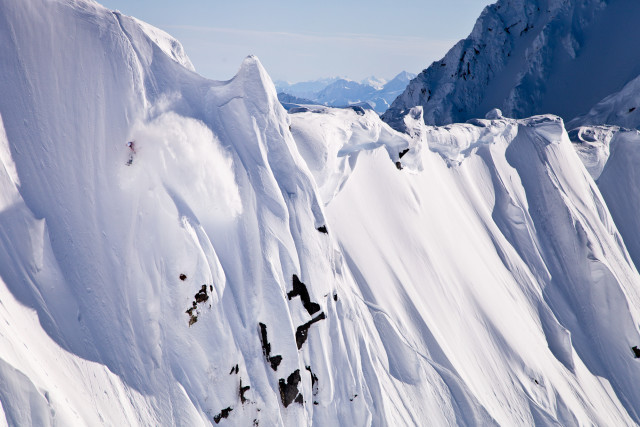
(593,145)
(503,249)
(238,265)
(619,183)
(161,40)
(608,142)
(612,156)
(330,140)
(160,271)
(529,57)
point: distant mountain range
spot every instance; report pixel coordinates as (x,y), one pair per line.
(306,89)
(338,92)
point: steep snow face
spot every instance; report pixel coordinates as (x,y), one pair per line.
(170,46)
(619,182)
(610,150)
(529,57)
(490,257)
(156,264)
(330,139)
(612,155)
(592,144)
(241,265)
(182,280)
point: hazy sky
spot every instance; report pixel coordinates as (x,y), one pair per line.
(305,40)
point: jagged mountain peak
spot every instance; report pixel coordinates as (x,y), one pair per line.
(528,57)
(256,83)
(399,82)
(403,75)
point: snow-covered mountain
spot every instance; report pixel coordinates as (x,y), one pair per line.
(377,93)
(344,92)
(375,82)
(238,265)
(530,57)
(621,108)
(399,83)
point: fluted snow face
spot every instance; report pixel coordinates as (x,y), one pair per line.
(241,265)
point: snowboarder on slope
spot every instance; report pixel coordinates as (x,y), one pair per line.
(131,145)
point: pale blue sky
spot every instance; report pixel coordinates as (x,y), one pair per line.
(304,40)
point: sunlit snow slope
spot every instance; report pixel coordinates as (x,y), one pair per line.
(251,267)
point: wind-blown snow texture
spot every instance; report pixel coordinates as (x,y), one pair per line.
(483,283)
(530,57)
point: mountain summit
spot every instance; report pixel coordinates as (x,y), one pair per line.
(530,57)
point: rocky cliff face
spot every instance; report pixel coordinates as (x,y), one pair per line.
(529,57)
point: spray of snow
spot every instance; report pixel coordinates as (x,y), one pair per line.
(182,152)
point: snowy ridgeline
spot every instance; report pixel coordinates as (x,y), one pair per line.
(253,267)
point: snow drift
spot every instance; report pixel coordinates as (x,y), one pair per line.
(253,267)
